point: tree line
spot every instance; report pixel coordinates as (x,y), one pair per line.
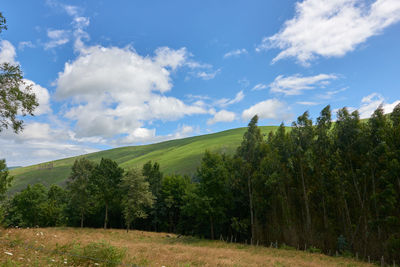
(329,185)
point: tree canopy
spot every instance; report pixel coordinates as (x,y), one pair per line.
(16,98)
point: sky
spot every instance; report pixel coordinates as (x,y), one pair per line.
(116,73)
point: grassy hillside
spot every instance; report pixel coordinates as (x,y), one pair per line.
(176,156)
(63,247)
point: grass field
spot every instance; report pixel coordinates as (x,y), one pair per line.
(58,247)
(176,156)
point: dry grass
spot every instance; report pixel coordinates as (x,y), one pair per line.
(150,249)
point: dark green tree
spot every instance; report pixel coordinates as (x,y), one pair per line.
(5,179)
(154,176)
(250,154)
(211,199)
(78,185)
(136,197)
(105,179)
(173,190)
(26,207)
(15,97)
(54,208)
(302,136)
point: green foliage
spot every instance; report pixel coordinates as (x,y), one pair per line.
(27,207)
(101,253)
(105,179)
(5,179)
(173,190)
(313,249)
(53,209)
(136,196)
(15,97)
(78,185)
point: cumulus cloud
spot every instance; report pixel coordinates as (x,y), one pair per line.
(42,96)
(41,142)
(144,135)
(115,90)
(222,116)
(268,109)
(371,102)
(224,102)
(235,53)
(331,28)
(7,52)
(296,84)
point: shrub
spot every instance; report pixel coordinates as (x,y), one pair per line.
(313,249)
(96,252)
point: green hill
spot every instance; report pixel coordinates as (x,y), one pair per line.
(180,156)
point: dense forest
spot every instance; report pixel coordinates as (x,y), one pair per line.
(327,186)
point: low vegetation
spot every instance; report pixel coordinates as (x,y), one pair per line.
(95,247)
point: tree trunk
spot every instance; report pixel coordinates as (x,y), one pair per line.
(251,207)
(81,218)
(308,217)
(212,227)
(106,217)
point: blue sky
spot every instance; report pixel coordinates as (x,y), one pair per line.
(117,73)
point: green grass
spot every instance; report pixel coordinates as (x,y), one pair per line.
(181,156)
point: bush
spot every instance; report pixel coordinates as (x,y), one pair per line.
(100,252)
(286,247)
(313,249)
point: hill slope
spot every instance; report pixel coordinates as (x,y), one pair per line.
(176,156)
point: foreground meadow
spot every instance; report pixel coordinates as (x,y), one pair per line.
(71,247)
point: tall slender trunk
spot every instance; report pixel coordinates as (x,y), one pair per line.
(212,228)
(308,216)
(251,207)
(81,218)
(325,217)
(106,217)
(375,204)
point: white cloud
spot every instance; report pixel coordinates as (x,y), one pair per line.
(371,102)
(57,38)
(296,84)
(114,91)
(307,103)
(145,136)
(38,143)
(235,53)
(222,116)
(207,75)
(224,102)
(258,87)
(166,56)
(330,94)
(330,28)
(7,52)
(42,96)
(23,44)
(268,109)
